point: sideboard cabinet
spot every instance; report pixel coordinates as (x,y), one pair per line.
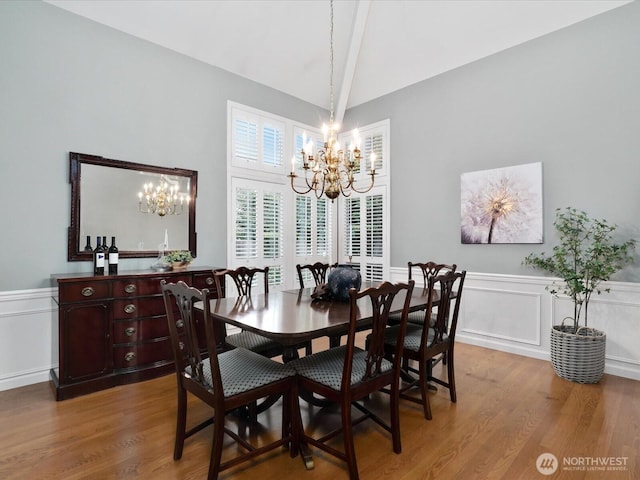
(112,329)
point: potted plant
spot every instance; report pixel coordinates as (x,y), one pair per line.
(178,258)
(586,256)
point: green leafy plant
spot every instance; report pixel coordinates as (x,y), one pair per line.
(585,257)
(178,256)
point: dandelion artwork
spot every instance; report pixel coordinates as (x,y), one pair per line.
(502,205)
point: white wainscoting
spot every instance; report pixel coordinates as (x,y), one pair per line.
(515,313)
(501,312)
(28,336)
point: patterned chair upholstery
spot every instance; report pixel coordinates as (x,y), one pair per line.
(226,381)
(348,374)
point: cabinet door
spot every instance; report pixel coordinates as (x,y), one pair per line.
(85,350)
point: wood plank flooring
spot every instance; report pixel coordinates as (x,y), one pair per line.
(510,410)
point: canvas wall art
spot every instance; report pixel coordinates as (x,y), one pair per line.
(502,205)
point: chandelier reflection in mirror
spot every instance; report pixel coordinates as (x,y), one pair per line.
(162,199)
(331,171)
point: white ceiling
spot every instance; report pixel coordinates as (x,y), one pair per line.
(379,45)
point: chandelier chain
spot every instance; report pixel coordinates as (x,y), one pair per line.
(332,170)
(331,66)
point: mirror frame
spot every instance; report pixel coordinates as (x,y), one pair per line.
(75,252)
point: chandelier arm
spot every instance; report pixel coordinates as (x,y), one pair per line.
(368,188)
(292,176)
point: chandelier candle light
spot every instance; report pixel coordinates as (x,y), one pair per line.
(163,199)
(332,170)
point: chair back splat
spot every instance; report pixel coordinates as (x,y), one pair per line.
(348,374)
(226,381)
(318,271)
(243,278)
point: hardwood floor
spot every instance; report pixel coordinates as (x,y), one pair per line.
(510,410)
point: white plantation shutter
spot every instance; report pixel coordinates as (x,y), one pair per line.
(313,230)
(374,268)
(259,227)
(273,236)
(364,234)
(245,235)
(373,144)
(272,145)
(364,218)
(323,229)
(257,141)
(245,139)
(304,244)
(352,225)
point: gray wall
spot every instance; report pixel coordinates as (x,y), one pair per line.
(69,84)
(570,100)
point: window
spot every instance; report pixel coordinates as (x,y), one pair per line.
(258,227)
(269,225)
(364,217)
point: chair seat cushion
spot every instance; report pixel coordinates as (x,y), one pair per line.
(413,317)
(412,338)
(242,370)
(326,367)
(252,341)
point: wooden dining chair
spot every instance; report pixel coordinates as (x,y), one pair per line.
(244,278)
(428,270)
(347,374)
(318,272)
(426,341)
(226,381)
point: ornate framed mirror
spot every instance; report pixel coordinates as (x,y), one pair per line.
(108,198)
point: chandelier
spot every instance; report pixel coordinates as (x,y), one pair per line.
(331,171)
(163,199)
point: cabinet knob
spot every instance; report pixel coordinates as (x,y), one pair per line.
(209,281)
(130,308)
(129,356)
(180,324)
(129,331)
(88,291)
(131,288)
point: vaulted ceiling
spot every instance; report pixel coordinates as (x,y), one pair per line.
(379,45)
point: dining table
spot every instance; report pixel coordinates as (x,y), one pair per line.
(292,317)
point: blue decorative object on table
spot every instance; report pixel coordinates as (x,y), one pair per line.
(340,280)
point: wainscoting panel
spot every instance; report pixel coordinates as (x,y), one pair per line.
(28,337)
(501,312)
(515,314)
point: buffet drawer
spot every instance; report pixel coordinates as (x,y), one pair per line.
(83,291)
(138,307)
(129,356)
(140,329)
(135,287)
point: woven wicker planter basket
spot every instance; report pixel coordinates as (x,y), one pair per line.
(578,357)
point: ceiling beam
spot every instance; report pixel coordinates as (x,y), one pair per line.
(357,33)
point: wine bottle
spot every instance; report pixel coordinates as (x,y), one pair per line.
(87,247)
(98,259)
(105,248)
(113,257)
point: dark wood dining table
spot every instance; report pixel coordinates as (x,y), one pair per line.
(292,317)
